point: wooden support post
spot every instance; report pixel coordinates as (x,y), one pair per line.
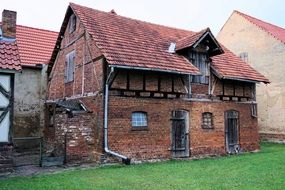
(172,80)
(144,81)
(223,87)
(234,88)
(128,80)
(189,87)
(159,83)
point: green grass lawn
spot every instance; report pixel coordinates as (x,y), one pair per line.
(263,170)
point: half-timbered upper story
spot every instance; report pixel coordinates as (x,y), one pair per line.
(140,59)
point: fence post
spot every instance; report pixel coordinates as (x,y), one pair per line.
(41,151)
(65,142)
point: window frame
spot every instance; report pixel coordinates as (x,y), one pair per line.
(254,110)
(140,118)
(201,61)
(69,67)
(209,117)
(72,23)
(244,56)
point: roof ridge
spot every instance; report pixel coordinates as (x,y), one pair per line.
(19,25)
(36,28)
(194,33)
(265,28)
(126,17)
(246,15)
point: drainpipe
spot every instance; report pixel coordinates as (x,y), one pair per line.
(125,159)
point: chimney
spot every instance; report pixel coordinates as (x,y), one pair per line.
(9,24)
(113,12)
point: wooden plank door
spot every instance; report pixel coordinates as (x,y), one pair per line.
(232,131)
(5,106)
(180,133)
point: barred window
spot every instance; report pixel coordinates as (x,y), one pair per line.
(207,120)
(139,119)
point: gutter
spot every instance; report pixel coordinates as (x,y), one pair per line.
(125,159)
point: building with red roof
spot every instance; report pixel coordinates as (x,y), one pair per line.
(262,46)
(135,90)
(24,56)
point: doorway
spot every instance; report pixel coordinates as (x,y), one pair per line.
(180,134)
(232,131)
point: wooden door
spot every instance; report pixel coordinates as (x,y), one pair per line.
(232,131)
(180,133)
(6,102)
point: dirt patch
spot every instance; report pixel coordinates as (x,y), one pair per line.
(33,170)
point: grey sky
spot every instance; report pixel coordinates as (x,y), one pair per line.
(187,14)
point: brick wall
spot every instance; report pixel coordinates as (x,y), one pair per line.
(88,71)
(155,142)
(83,133)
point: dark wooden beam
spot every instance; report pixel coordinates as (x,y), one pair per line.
(223,82)
(128,80)
(172,82)
(234,87)
(159,82)
(144,81)
(243,89)
(113,78)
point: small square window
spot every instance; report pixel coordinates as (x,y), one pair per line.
(244,56)
(139,119)
(207,120)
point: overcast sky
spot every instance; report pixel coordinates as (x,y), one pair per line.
(193,15)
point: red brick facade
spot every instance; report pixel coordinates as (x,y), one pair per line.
(155,93)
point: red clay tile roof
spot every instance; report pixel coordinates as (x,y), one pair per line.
(35,45)
(133,43)
(275,31)
(9,56)
(137,44)
(189,40)
(230,66)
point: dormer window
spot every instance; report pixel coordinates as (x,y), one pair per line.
(72,23)
(200,60)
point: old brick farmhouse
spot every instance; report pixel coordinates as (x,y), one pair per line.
(141,91)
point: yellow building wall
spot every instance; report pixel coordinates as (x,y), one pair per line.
(267,55)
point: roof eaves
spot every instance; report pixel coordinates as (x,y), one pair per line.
(221,76)
(152,69)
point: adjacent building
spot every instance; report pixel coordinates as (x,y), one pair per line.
(262,46)
(25,53)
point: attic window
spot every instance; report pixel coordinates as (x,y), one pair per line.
(200,61)
(244,56)
(72,23)
(69,66)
